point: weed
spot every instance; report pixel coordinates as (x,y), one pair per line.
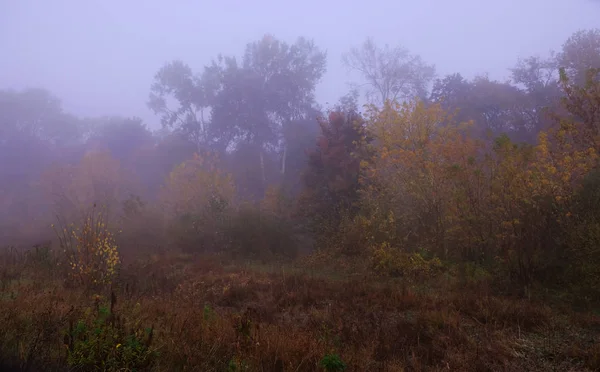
(333,363)
(102,340)
(236,365)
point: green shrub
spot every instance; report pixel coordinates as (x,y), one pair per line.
(236,365)
(333,363)
(101,340)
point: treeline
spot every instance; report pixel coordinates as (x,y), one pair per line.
(495,175)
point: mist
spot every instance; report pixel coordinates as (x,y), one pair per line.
(100,56)
(316,186)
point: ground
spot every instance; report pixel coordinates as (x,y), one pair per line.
(198,313)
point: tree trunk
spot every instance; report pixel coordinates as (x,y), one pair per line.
(262,168)
(284,159)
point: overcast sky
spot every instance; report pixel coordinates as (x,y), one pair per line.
(100,57)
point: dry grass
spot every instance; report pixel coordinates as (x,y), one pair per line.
(207,316)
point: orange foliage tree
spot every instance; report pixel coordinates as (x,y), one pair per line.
(431,186)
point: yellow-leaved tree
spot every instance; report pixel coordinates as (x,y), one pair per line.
(424,169)
(536,189)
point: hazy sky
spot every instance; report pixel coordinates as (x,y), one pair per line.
(100,57)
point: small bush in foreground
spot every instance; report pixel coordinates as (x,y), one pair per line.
(91,251)
(100,340)
(333,363)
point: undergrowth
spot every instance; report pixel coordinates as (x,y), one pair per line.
(183,312)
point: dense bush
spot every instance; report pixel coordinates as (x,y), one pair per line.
(91,253)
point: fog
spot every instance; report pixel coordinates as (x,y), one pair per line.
(103,102)
(271,185)
(99,57)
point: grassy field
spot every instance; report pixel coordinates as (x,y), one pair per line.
(175,312)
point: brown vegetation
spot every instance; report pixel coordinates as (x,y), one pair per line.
(207,316)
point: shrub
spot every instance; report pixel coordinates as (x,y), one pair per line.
(90,249)
(100,341)
(333,363)
(389,261)
(236,365)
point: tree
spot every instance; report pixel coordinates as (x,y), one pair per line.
(36,113)
(390,73)
(332,178)
(536,74)
(250,100)
(300,136)
(538,78)
(176,82)
(496,107)
(421,174)
(579,54)
(121,136)
(570,159)
(272,86)
(33,128)
(583,106)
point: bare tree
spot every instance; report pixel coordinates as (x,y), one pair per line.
(390,73)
